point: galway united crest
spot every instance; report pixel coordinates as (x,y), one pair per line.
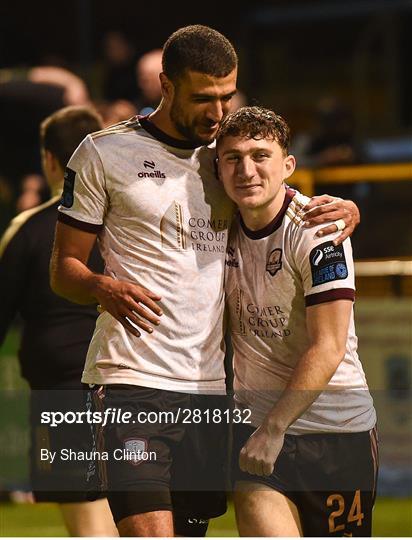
(274,262)
(135,450)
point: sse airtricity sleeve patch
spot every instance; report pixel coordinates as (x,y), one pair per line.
(68,188)
(327,263)
(326,271)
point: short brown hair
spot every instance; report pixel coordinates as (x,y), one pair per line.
(198,48)
(256,123)
(63,131)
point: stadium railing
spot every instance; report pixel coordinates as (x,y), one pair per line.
(307,179)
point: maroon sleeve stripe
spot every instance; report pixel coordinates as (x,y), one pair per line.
(82,225)
(329,296)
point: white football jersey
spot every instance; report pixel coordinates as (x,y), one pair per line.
(271,276)
(162,219)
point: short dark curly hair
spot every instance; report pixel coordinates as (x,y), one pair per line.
(256,123)
(198,48)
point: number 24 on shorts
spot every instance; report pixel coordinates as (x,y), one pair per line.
(355,512)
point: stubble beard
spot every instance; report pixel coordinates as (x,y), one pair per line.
(187,131)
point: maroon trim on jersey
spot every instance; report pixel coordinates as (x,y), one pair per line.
(275,223)
(164,137)
(82,225)
(329,296)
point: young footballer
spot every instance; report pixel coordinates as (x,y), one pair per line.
(306,465)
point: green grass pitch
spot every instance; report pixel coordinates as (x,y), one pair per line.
(392,517)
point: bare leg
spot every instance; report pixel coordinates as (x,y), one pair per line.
(261,511)
(159,523)
(89,518)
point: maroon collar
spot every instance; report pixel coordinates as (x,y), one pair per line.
(274,224)
(164,137)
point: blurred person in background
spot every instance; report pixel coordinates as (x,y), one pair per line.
(119,56)
(26,98)
(55,333)
(33,190)
(75,90)
(147,95)
(113,112)
(148,69)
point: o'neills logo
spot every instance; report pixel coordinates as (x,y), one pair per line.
(231,258)
(154,174)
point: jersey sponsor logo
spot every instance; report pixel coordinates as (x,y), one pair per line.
(327,263)
(250,319)
(179,232)
(267,321)
(68,188)
(172,230)
(207,234)
(274,262)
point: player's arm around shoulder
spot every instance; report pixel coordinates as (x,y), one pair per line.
(325,267)
(332,212)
